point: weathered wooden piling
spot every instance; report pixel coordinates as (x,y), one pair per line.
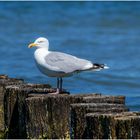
(124,125)
(79,110)
(3,76)
(104,99)
(4,81)
(31,111)
(49,115)
(15,107)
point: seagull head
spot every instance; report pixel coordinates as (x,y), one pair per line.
(40,42)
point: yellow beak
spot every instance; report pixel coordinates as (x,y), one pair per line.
(32,45)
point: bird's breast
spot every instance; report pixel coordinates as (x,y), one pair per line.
(39,56)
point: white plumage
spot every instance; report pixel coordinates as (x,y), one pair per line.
(57,64)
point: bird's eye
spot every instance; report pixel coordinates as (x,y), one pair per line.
(40,41)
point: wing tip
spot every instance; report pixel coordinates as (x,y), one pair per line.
(105,66)
(100,66)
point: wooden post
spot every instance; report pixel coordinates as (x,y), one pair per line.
(28,111)
(124,125)
(48,115)
(79,110)
(15,106)
(4,81)
(105,99)
(3,76)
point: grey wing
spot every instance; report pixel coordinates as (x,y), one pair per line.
(66,63)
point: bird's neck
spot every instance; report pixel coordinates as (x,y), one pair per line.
(41,52)
(43,49)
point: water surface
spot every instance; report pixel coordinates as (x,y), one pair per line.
(103,32)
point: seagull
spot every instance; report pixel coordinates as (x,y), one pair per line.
(58,64)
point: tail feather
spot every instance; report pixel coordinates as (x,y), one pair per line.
(99,66)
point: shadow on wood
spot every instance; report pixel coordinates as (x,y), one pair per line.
(15,107)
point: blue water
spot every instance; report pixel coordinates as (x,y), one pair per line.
(103,32)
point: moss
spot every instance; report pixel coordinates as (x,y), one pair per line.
(67,134)
(1,116)
(3,134)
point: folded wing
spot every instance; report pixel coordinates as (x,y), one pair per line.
(66,63)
